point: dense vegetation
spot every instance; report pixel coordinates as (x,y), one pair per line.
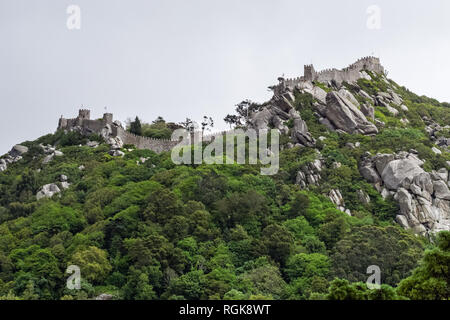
(154,230)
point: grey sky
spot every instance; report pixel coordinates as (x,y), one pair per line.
(189,58)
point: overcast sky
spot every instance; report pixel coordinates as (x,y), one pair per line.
(189,58)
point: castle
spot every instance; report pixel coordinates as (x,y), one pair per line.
(106,126)
(350,74)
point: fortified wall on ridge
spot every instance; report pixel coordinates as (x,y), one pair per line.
(86,126)
(350,74)
(106,126)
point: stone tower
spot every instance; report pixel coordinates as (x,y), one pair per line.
(309,72)
(84,114)
(108,117)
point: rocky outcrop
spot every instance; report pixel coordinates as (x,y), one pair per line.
(316,92)
(18,150)
(368,111)
(388,100)
(309,174)
(363,197)
(345,116)
(423,198)
(49,190)
(336,197)
(397,171)
(50,152)
(116,153)
(300,132)
(337,108)
(14,155)
(437,134)
(392,110)
(3,165)
(277,112)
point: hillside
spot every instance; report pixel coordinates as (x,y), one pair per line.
(363,180)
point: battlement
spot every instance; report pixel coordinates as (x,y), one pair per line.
(83,122)
(349,74)
(108,117)
(84,114)
(86,126)
(309,72)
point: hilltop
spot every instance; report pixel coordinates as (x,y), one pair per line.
(363,181)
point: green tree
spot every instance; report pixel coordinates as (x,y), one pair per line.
(391,248)
(307,265)
(136,127)
(266,280)
(93,263)
(430,281)
(278,241)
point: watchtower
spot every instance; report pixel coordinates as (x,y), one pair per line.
(84,114)
(108,117)
(309,72)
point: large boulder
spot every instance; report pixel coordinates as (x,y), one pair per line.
(370,174)
(422,185)
(368,111)
(441,190)
(300,133)
(345,116)
(423,198)
(116,153)
(48,191)
(396,171)
(115,142)
(310,174)
(348,95)
(381,160)
(392,110)
(260,120)
(279,124)
(3,165)
(317,92)
(336,197)
(284,101)
(395,98)
(18,150)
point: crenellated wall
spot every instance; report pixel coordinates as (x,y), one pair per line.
(350,74)
(88,126)
(156,145)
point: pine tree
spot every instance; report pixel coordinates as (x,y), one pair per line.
(136,127)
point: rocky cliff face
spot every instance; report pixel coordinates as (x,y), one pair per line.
(424,198)
(338,109)
(346,108)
